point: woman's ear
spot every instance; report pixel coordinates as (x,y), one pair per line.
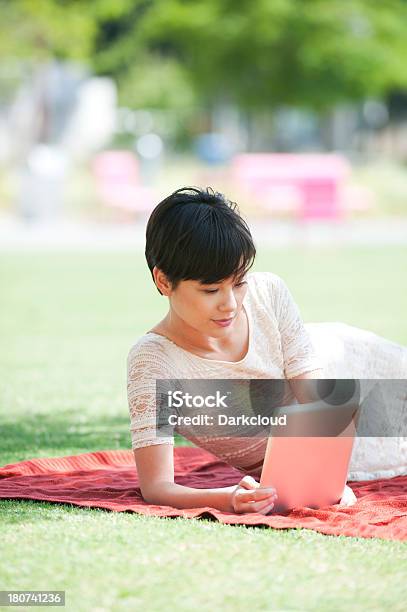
(161,281)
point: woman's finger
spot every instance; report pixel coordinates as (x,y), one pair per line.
(248,482)
(255,495)
(258,506)
(267,508)
(348,497)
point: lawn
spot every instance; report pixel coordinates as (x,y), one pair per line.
(67,322)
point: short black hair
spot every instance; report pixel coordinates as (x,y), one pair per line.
(197,234)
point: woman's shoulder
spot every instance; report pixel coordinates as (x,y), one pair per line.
(265,287)
(265,279)
(150,350)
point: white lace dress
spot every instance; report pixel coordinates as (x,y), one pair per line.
(350,352)
(280,346)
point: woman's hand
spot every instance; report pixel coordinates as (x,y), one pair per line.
(348,497)
(248,496)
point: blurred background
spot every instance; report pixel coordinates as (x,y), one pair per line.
(296,110)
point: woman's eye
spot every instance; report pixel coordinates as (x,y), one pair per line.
(215,290)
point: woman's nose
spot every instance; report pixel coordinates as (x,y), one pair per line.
(229,303)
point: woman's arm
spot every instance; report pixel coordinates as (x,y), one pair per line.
(155,467)
(155,461)
(298,352)
(306,392)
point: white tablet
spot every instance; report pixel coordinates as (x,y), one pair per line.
(310,470)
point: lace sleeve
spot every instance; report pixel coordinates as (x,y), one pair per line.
(298,351)
(144,367)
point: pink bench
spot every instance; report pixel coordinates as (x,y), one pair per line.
(307,185)
(118,182)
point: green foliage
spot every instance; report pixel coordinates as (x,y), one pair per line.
(156,83)
(36,30)
(258,54)
(264,54)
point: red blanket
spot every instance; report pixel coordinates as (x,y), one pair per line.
(108,479)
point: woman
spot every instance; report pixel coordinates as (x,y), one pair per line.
(224,322)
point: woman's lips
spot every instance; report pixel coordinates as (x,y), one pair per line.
(223,322)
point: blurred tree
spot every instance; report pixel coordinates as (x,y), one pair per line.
(36,30)
(263,53)
(256,53)
(105,35)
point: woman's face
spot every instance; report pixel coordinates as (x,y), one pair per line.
(210,310)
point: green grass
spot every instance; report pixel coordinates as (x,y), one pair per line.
(66,324)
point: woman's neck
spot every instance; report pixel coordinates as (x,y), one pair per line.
(192,340)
